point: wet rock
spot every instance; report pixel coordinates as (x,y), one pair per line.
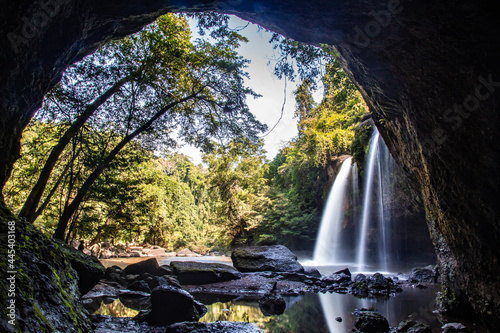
(113,269)
(360,278)
(412,326)
(375,285)
(272,304)
(92,304)
(215,327)
(146,266)
(165,270)
(276,258)
(135,302)
(170,305)
(139,285)
(453,328)
(337,277)
(154,281)
(371,322)
(423,274)
(103,289)
(312,271)
(89,269)
(190,272)
(445,171)
(115,277)
(108,324)
(47,289)
(130,278)
(298,277)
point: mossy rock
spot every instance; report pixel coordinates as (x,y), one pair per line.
(89,268)
(46,286)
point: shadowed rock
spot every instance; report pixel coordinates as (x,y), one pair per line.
(171,305)
(371,322)
(412,326)
(89,269)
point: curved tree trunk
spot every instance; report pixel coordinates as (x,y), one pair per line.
(73,206)
(29,209)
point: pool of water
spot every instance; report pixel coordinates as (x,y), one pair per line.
(313,313)
(319,312)
(310,312)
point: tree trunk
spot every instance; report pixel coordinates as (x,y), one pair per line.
(71,208)
(29,208)
(45,203)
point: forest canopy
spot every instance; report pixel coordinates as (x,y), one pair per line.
(97,161)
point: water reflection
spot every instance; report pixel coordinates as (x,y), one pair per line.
(416,304)
(115,308)
(314,313)
(302,315)
(317,313)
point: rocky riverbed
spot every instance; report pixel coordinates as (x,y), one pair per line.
(172,298)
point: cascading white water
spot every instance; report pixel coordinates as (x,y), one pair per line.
(378,171)
(327,243)
(365,216)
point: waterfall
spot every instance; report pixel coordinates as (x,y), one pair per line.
(367,202)
(375,209)
(327,243)
(359,226)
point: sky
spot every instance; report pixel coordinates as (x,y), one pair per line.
(267,109)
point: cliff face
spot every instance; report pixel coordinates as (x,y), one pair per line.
(428,70)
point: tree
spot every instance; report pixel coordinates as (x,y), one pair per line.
(236,176)
(194,88)
(297,177)
(205,96)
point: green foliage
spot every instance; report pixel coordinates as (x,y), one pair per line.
(361,144)
(137,196)
(297,176)
(236,175)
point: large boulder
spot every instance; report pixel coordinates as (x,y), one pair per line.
(276,258)
(371,322)
(146,266)
(190,272)
(272,304)
(172,305)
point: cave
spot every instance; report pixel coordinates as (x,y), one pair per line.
(428,71)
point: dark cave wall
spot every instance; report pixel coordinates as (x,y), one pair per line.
(427,69)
